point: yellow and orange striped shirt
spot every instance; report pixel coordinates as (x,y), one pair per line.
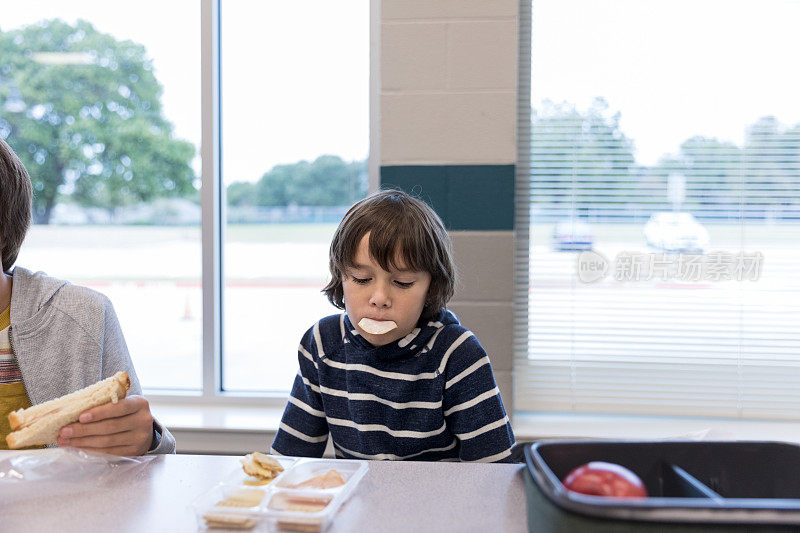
(12,391)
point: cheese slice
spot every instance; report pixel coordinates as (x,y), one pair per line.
(377,327)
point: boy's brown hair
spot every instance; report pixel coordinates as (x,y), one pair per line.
(16,195)
(404,232)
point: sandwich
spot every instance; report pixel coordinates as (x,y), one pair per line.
(40,423)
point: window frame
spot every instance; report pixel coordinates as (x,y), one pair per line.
(582,423)
(213,216)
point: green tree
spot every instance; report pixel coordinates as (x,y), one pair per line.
(713,173)
(723,179)
(327,181)
(582,163)
(241,194)
(83,112)
(772,165)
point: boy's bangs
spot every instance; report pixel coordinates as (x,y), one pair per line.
(394,247)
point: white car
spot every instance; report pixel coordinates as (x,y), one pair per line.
(676,232)
(572,236)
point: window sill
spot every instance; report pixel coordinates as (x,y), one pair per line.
(241,418)
(566,426)
(230,428)
(237,427)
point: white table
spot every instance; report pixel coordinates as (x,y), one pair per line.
(393,496)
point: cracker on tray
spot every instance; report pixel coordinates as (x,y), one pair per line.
(215,519)
(260,466)
(243,498)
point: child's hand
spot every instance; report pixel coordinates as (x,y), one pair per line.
(122,428)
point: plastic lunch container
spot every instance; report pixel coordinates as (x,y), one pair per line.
(694,486)
(280,505)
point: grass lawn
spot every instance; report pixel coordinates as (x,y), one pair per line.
(721,235)
(101,236)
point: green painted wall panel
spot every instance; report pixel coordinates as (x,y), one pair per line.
(467,197)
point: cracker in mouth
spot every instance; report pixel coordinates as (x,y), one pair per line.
(377,327)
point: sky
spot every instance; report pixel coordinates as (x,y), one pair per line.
(673,68)
(296,74)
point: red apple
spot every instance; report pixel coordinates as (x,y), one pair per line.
(605,479)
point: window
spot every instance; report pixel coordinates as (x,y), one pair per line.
(664,147)
(103,110)
(295,137)
(213,285)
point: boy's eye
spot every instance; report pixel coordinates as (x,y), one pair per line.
(360,281)
(404,285)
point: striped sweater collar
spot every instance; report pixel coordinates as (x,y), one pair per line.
(417,342)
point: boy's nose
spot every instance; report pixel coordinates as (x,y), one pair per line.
(380,297)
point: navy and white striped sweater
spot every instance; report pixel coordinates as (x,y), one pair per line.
(429,396)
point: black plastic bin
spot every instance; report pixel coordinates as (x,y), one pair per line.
(693,486)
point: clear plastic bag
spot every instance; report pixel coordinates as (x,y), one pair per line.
(44,473)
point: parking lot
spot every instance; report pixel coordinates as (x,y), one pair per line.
(274,276)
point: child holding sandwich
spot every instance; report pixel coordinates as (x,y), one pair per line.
(395,376)
(56,338)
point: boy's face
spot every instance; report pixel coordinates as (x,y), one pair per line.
(372,292)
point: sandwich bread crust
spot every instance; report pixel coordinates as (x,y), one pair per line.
(40,423)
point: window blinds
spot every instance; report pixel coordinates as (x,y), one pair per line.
(665,344)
